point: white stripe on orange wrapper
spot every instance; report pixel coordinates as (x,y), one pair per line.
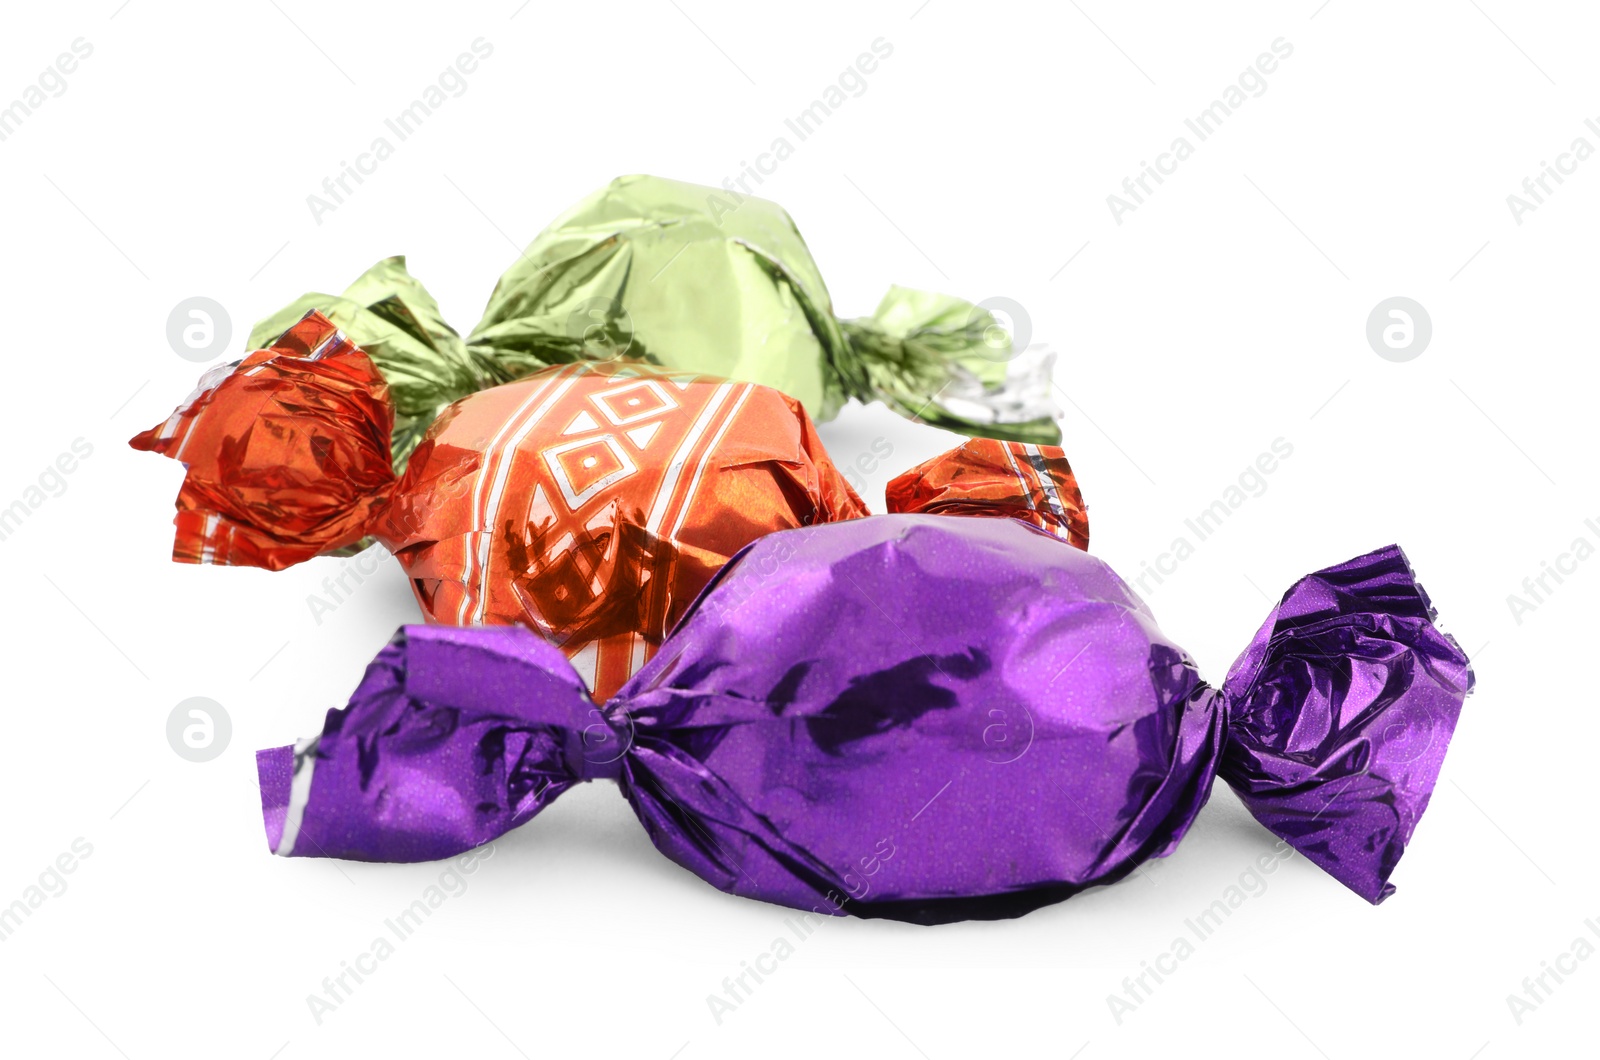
(480,486)
(621,657)
(502,476)
(700,468)
(1011,458)
(1052,495)
(208,545)
(666,493)
(665,588)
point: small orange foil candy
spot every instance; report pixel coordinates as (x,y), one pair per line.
(287,452)
(988,477)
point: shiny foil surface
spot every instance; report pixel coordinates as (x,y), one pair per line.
(907,716)
(590,502)
(287,451)
(986,477)
(697,279)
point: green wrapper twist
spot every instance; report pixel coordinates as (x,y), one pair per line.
(696,279)
(942,360)
(397,323)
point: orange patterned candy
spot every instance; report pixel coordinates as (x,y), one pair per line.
(593,502)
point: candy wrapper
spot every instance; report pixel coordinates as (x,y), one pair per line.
(906,716)
(287,452)
(695,279)
(589,501)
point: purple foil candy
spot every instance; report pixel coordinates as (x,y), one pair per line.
(917,717)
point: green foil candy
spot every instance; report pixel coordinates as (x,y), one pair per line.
(697,279)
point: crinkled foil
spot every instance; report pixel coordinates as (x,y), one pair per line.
(590,501)
(908,716)
(694,279)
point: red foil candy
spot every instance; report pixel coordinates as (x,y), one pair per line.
(591,501)
(988,477)
(287,451)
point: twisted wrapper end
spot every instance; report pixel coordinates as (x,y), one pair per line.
(942,360)
(454,737)
(989,477)
(1340,712)
(287,452)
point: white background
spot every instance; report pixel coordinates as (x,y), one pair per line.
(1225,312)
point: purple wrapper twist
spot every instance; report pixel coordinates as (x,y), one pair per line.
(917,717)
